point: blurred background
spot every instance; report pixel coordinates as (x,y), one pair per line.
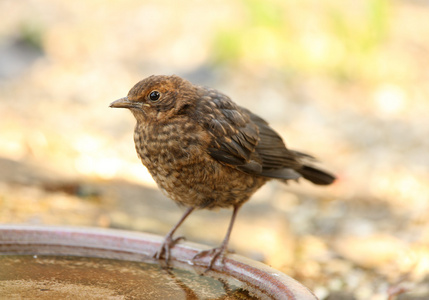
(346,81)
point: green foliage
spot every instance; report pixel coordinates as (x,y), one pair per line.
(338,37)
(31,33)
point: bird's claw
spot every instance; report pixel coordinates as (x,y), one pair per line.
(215,253)
(166,246)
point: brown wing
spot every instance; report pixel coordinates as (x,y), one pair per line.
(243,140)
(277,161)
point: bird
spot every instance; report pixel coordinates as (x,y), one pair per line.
(206,152)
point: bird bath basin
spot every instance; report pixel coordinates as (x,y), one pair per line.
(59,262)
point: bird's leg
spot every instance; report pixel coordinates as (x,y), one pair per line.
(169,242)
(219,252)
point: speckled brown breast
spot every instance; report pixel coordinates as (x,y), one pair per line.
(176,156)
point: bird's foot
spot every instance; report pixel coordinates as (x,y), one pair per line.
(167,244)
(216,254)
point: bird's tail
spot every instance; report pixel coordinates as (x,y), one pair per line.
(316,176)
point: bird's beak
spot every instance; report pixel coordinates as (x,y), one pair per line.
(121,103)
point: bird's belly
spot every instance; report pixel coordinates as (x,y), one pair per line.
(200,181)
(181,166)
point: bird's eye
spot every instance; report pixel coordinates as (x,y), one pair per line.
(154,95)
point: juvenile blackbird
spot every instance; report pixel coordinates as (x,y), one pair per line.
(205,151)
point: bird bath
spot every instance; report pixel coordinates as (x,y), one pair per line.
(59,262)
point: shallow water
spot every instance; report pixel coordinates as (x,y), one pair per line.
(69,277)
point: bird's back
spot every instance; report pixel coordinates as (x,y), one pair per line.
(245,141)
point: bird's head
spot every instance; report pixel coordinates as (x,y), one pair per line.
(158,98)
